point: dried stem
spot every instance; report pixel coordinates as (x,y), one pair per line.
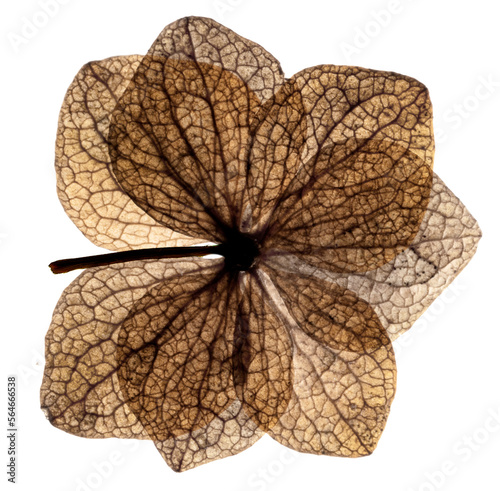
(65,265)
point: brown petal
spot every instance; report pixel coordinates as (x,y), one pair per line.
(175,354)
(263,357)
(401,290)
(229,433)
(333,109)
(180,138)
(86,186)
(352,103)
(208,42)
(80,391)
(355,212)
(344,370)
(279,132)
(330,314)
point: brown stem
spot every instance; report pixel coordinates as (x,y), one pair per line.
(65,265)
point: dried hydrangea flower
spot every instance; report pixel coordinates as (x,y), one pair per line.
(335,235)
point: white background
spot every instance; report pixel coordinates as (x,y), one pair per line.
(448,378)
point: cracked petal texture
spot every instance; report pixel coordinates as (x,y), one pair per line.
(81,389)
(354,214)
(344,369)
(336,233)
(263,361)
(174,354)
(180,138)
(86,186)
(401,290)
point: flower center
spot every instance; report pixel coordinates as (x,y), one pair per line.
(240,251)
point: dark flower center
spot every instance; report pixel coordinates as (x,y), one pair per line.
(240,251)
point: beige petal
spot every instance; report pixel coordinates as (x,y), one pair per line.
(86,186)
(208,42)
(344,368)
(175,354)
(180,140)
(80,391)
(354,213)
(334,110)
(401,290)
(229,433)
(262,358)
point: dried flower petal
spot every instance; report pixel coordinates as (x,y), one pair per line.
(180,138)
(279,131)
(229,433)
(353,213)
(86,186)
(344,365)
(356,104)
(81,391)
(400,290)
(332,106)
(207,42)
(263,357)
(175,354)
